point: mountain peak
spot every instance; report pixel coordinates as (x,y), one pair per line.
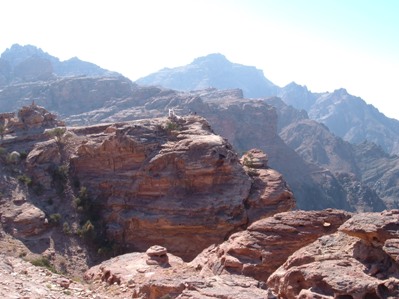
(17,53)
(211,58)
(214,70)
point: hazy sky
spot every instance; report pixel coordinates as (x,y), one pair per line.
(323,44)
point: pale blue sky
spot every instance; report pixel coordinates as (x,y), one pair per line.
(323,44)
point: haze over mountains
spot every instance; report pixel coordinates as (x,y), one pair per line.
(347,116)
(332,148)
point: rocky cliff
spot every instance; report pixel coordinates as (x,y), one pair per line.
(246,123)
(168,181)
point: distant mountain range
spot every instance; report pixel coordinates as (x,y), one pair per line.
(301,131)
(347,116)
(28,64)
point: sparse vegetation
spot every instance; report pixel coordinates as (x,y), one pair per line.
(2,131)
(59,175)
(171,126)
(43,262)
(25,180)
(3,151)
(248,160)
(66,228)
(55,218)
(57,133)
(87,230)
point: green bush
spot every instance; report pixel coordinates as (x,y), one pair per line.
(56,133)
(66,228)
(171,126)
(55,218)
(87,230)
(25,180)
(43,262)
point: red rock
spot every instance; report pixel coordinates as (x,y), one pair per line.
(266,244)
(375,228)
(179,280)
(336,266)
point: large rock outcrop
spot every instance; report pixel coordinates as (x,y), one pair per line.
(266,244)
(138,279)
(168,181)
(359,261)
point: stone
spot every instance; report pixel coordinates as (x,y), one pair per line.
(374,228)
(179,280)
(336,266)
(157,255)
(391,247)
(267,243)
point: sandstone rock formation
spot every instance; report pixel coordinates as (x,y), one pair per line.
(266,244)
(357,262)
(178,280)
(171,182)
(29,118)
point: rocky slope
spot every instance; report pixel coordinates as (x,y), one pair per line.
(347,116)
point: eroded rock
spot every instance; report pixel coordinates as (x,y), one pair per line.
(336,266)
(266,244)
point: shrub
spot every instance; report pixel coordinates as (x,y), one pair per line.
(171,126)
(87,230)
(43,262)
(56,133)
(59,174)
(66,228)
(55,218)
(25,180)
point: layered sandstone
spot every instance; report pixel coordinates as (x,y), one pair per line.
(266,244)
(359,261)
(167,181)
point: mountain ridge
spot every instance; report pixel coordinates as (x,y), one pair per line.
(383,130)
(29,63)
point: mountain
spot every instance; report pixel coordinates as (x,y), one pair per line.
(29,63)
(216,71)
(151,176)
(347,116)
(320,168)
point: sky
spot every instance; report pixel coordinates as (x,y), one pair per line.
(323,44)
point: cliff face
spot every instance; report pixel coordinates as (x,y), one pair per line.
(168,181)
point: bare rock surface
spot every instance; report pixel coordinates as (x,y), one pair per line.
(266,244)
(359,261)
(20,279)
(176,280)
(375,228)
(269,193)
(336,266)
